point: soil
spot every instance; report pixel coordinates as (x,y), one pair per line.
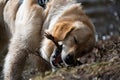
(102,63)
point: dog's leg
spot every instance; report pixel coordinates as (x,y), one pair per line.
(26,38)
(10,11)
(14,63)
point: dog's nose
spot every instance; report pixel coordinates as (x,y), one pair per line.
(69,60)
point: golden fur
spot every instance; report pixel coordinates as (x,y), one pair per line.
(67,23)
(64,19)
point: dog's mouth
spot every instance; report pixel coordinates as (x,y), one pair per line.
(55,59)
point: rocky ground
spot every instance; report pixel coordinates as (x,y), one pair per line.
(102,63)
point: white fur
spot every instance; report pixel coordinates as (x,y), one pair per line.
(44,53)
(26,36)
(64,10)
(54,14)
(78,24)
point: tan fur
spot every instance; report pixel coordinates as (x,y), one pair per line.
(65,21)
(25,23)
(61,30)
(10,11)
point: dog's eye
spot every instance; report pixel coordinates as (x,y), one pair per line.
(75,40)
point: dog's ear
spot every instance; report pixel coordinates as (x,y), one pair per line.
(61,30)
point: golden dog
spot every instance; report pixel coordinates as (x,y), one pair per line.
(64,20)
(69,25)
(25,24)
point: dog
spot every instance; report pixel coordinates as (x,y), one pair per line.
(68,24)
(25,24)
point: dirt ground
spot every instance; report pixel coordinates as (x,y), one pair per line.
(102,63)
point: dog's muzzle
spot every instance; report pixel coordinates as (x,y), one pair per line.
(56,60)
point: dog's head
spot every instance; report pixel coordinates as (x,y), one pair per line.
(76,37)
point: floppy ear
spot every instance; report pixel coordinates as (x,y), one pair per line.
(61,30)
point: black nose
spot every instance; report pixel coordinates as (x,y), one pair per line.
(69,60)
